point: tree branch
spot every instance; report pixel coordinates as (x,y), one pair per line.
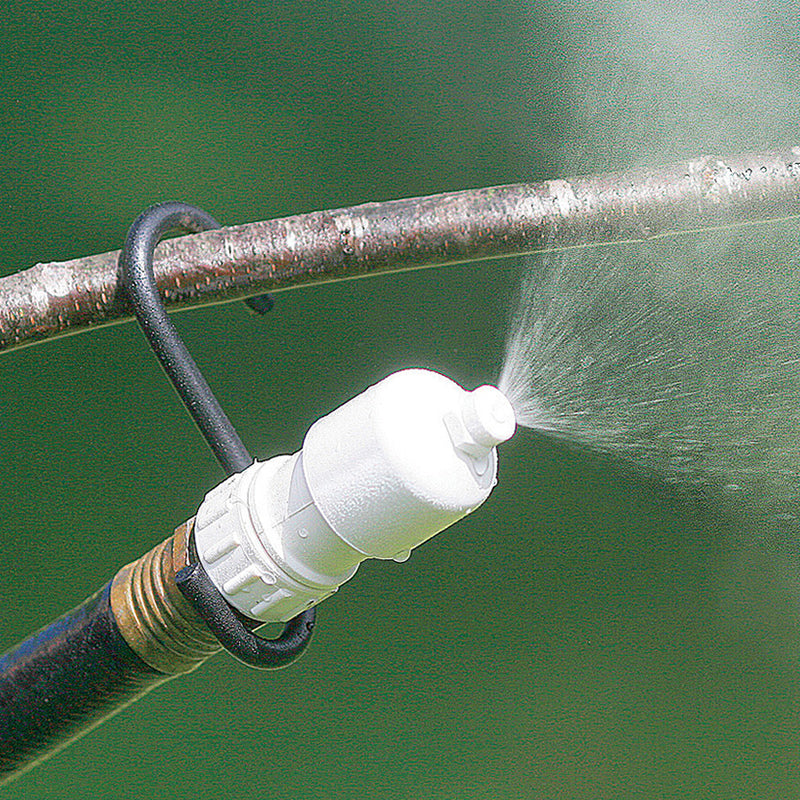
(58,298)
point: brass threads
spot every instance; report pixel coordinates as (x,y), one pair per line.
(155,619)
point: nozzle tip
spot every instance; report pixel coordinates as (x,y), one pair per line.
(489,416)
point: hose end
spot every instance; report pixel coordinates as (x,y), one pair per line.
(155,619)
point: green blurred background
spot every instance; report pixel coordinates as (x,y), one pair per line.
(591,632)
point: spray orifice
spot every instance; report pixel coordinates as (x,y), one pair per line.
(375,478)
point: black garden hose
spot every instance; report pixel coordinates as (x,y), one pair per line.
(64,680)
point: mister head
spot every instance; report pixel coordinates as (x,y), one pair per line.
(380,475)
(488,416)
(484,419)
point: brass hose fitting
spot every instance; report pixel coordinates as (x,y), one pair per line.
(155,619)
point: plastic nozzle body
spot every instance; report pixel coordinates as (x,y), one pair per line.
(375,478)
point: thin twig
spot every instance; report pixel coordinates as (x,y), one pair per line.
(59,298)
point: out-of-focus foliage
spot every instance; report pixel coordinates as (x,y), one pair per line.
(591,631)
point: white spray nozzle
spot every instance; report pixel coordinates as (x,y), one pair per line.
(375,478)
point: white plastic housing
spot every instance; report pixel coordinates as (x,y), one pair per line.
(375,478)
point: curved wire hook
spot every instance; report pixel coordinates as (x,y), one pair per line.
(136,262)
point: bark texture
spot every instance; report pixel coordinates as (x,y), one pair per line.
(58,298)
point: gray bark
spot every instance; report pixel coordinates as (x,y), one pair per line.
(58,298)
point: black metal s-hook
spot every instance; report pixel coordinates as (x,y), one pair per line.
(136,262)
